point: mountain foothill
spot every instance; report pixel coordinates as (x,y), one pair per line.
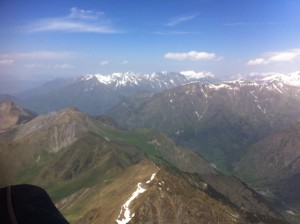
(165,147)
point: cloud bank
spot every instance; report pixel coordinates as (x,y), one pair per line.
(39,59)
(6,61)
(276,57)
(193,56)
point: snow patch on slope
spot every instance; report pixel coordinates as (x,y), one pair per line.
(152,177)
(125,211)
(125,208)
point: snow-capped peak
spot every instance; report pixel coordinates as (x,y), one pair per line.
(292,79)
(156,81)
(105,79)
(117,78)
(196,75)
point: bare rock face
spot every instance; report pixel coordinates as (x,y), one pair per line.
(11,115)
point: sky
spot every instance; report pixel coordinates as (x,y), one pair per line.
(42,39)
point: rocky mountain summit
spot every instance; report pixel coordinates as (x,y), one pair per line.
(11,115)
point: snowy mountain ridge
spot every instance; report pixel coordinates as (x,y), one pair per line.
(162,79)
(292,79)
(97,93)
(279,82)
(167,79)
(191,75)
(119,78)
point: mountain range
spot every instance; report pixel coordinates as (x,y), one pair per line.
(95,94)
(241,127)
(98,173)
(217,120)
(161,126)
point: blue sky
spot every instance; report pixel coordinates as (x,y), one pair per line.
(48,39)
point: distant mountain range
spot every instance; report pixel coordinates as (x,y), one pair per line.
(98,173)
(95,94)
(218,120)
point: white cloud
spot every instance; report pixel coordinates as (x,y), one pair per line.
(78,20)
(180,19)
(124,62)
(285,56)
(258,61)
(6,61)
(276,57)
(103,63)
(193,56)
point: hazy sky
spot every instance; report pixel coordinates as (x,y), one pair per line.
(62,38)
